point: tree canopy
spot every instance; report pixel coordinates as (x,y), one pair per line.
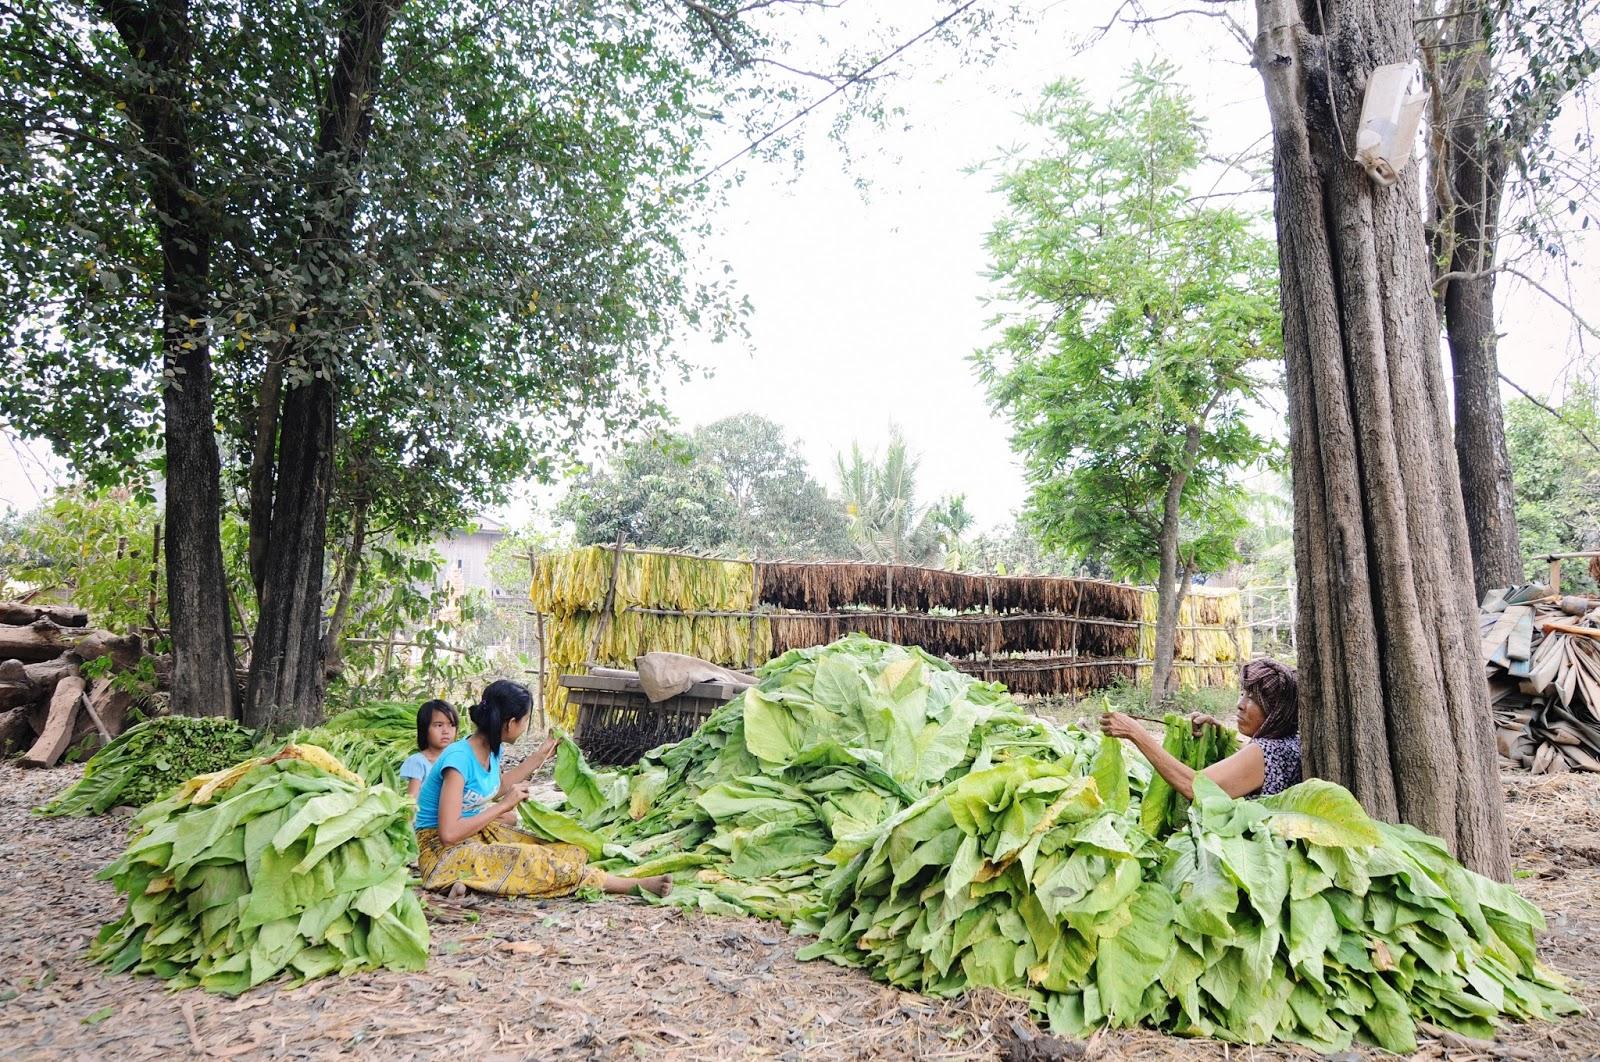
(358,261)
(1557,473)
(1129,316)
(737,485)
(1135,330)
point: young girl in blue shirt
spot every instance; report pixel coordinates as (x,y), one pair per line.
(462,839)
(436,731)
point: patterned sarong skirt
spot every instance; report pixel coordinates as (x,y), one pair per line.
(506,861)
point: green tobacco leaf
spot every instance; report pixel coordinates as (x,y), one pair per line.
(1321,813)
(554,825)
(1130,961)
(1110,775)
(591,793)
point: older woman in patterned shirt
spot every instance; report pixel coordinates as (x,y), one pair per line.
(1269,715)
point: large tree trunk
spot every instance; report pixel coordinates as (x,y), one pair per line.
(286,674)
(286,667)
(1485,463)
(263,464)
(197,592)
(197,587)
(1471,175)
(1393,701)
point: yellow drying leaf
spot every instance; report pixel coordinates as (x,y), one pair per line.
(321,758)
(209,785)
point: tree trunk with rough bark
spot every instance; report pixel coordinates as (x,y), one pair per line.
(1393,701)
(263,466)
(287,676)
(197,593)
(286,667)
(1470,176)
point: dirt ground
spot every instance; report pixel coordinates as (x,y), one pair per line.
(568,979)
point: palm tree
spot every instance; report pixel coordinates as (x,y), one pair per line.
(880,499)
(947,522)
(886,523)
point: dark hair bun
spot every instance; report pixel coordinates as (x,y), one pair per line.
(503,701)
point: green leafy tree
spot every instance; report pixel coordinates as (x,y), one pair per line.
(887,522)
(737,485)
(779,509)
(396,252)
(1013,549)
(409,633)
(654,492)
(1138,330)
(950,522)
(1557,469)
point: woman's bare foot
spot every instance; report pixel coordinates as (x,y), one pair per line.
(659,885)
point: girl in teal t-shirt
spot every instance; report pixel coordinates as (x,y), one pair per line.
(463,842)
(436,729)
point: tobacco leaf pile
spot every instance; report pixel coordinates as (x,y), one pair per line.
(281,864)
(372,740)
(150,759)
(919,825)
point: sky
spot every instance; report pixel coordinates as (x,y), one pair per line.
(868,306)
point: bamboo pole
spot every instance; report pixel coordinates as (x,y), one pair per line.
(971,617)
(606,605)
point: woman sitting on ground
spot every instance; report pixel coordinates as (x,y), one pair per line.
(463,842)
(1269,715)
(437,724)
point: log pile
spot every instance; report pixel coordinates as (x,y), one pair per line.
(1542,654)
(47,704)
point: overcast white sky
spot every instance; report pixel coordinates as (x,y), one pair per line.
(867,308)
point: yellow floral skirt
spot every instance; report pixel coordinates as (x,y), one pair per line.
(506,861)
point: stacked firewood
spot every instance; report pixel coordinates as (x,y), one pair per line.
(1543,658)
(48,704)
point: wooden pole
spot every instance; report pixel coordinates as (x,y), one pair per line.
(605,607)
(538,619)
(543,665)
(755,600)
(994,627)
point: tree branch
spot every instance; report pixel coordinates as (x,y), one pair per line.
(858,76)
(1556,413)
(1572,310)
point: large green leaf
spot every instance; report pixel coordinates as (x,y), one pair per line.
(1321,813)
(1110,776)
(554,825)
